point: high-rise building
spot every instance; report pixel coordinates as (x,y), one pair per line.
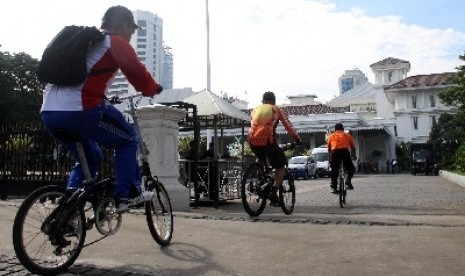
(350,80)
(148,43)
(167,80)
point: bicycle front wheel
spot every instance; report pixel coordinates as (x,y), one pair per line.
(252,193)
(160,215)
(40,244)
(287,194)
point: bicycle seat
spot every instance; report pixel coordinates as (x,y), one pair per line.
(66,134)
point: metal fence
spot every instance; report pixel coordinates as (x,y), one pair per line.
(30,158)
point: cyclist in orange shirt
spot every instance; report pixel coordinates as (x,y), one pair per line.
(262,140)
(341,146)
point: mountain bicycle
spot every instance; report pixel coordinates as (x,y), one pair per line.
(50,227)
(256,184)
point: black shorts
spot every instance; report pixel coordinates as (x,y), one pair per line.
(274,153)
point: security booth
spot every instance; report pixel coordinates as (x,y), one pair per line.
(218,177)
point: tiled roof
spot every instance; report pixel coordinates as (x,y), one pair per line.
(424,81)
(389,60)
(306,109)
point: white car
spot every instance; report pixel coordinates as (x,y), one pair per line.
(302,167)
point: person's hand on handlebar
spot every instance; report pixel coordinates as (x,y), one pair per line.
(115,100)
(160,89)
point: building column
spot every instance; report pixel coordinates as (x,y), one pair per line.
(160,132)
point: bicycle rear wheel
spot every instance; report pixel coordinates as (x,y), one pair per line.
(40,244)
(342,191)
(160,215)
(252,193)
(287,194)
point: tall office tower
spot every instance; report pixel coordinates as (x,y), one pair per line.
(350,80)
(148,43)
(167,80)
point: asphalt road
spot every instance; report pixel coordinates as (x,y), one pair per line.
(392,225)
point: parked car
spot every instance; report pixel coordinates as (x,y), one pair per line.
(321,157)
(302,167)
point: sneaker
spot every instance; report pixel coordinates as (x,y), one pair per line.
(349,185)
(333,189)
(273,197)
(126,203)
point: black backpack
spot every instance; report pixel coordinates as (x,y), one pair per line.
(64,60)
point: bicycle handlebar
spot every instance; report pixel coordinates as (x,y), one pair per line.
(289,146)
(120,99)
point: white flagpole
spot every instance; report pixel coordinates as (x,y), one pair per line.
(208,46)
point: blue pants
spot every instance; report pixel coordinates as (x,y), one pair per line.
(102,126)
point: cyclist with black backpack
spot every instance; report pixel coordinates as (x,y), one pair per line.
(82,109)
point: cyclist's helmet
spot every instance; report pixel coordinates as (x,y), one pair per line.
(269,97)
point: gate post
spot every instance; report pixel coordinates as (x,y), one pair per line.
(160,132)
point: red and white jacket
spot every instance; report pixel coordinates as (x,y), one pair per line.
(112,53)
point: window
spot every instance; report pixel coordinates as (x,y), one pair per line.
(141,40)
(395,131)
(433,120)
(140,53)
(432,100)
(414,101)
(389,77)
(141,46)
(141,32)
(142,23)
(415,122)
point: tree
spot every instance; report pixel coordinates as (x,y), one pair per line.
(448,134)
(455,96)
(20,89)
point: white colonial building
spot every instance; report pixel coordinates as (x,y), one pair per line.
(407,107)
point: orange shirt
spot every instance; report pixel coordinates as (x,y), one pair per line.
(340,140)
(265,118)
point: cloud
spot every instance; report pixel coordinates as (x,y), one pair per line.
(302,47)
(287,46)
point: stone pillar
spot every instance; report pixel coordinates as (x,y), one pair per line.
(160,132)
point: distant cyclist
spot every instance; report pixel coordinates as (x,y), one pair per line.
(341,146)
(262,139)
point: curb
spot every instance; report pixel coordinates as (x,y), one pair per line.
(453,177)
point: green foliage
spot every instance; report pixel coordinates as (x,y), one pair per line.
(460,164)
(455,96)
(19,143)
(183,144)
(289,153)
(235,149)
(448,134)
(20,89)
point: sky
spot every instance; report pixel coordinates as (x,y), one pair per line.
(291,47)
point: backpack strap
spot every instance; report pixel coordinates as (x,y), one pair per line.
(102,71)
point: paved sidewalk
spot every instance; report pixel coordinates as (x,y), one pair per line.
(209,244)
(225,241)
